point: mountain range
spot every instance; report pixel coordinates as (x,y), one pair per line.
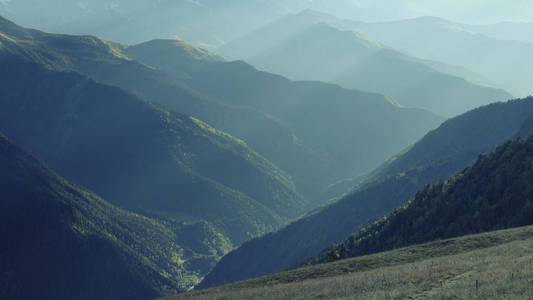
(196,21)
(141,168)
(295,46)
(78,103)
(514,31)
(307,137)
(493,194)
(147,159)
(500,61)
(211,23)
(442,153)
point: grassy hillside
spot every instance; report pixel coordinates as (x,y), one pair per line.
(314,155)
(60,241)
(302,47)
(494,193)
(440,154)
(498,263)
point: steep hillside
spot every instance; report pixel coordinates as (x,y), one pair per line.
(282,133)
(494,193)
(279,97)
(501,61)
(314,156)
(487,266)
(481,131)
(338,125)
(141,156)
(440,154)
(316,51)
(261,40)
(60,241)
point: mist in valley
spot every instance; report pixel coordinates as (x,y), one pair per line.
(149,148)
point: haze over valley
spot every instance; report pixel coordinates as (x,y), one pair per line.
(187,149)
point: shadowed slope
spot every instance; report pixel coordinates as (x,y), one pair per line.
(63,242)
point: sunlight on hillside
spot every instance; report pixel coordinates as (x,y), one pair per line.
(266,149)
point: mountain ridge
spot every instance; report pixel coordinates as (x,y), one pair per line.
(492,194)
(503,63)
(201,88)
(395,183)
(308,46)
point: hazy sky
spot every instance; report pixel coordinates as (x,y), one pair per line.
(467,11)
(471,11)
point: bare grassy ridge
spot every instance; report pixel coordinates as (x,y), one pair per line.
(500,262)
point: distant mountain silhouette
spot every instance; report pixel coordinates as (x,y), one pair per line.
(514,31)
(307,46)
(502,61)
(205,22)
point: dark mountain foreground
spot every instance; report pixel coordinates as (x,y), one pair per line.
(60,241)
(498,263)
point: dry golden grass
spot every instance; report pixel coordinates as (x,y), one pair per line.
(500,262)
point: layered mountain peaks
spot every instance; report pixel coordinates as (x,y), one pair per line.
(151,147)
(312,47)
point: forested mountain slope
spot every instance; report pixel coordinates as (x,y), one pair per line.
(330,128)
(60,241)
(293,124)
(495,193)
(141,156)
(439,155)
(204,22)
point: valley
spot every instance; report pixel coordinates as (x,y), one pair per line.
(265,149)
